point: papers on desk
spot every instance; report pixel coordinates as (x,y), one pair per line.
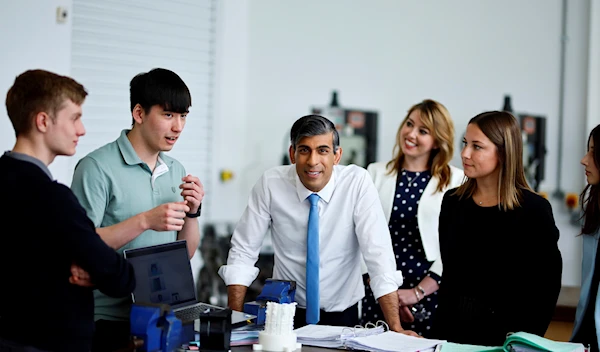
(370,339)
(245,335)
(331,336)
(392,341)
(457,347)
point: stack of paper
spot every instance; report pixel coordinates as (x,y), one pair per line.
(245,335)
(332,336)
(458,347)
(392,341)
(241,338)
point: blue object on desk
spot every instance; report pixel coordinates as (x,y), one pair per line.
(157,326)
(278,291)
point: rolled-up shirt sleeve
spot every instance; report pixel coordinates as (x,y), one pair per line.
(375,242)
(247,238)
(383,284)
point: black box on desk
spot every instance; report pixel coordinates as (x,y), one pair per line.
(215,330)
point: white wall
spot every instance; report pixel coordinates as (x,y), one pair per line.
(31,38)
(593,103)
(387,55)
(230,120)
(576,98)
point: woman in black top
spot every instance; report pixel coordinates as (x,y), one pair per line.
(498,242)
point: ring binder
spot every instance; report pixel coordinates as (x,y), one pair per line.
(371,337)
(335,336)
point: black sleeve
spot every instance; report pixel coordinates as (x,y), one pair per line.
(539,280)
(444,226)
(442,320)
(109,271)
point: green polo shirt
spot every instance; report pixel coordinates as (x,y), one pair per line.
(113,184)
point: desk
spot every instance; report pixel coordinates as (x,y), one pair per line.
(304,349)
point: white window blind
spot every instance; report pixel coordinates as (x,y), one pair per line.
(113,40)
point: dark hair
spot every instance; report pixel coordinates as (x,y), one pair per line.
(590,200)
(161,87)
(36,91)
(313,125)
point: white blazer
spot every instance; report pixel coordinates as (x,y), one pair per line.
(428,211)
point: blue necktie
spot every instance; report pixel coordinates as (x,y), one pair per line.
(312,262)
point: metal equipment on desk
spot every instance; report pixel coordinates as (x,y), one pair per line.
(278,291)
(156,326)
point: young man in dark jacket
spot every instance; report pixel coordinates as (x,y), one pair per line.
(46,239)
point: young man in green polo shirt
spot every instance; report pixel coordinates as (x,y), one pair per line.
(135,194)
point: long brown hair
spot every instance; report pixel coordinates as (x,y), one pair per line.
(590,200)
(437,119)
(503,130)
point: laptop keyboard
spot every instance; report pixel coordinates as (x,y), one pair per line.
(193,312)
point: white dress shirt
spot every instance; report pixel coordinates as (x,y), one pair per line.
(351,222)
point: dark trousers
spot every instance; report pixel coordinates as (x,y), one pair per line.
(348,317)
(111,336)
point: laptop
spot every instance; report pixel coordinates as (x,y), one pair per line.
(164,275)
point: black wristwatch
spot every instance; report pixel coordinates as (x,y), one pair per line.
(196,214)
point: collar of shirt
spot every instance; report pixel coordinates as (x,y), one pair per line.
(30,159)
(326,193)
(160,169)
(130,156)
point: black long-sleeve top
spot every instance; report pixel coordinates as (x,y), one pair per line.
(45,230)
(502,270)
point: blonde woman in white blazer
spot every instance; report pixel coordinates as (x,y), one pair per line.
(411,187)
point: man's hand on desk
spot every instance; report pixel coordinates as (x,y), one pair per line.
(409,333)
(398,328)
(80,277)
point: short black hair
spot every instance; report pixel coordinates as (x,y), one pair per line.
(162,87)
(313,125)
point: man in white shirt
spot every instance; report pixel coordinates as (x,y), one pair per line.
(350,222)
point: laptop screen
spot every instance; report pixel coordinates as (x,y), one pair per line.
(163,274)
